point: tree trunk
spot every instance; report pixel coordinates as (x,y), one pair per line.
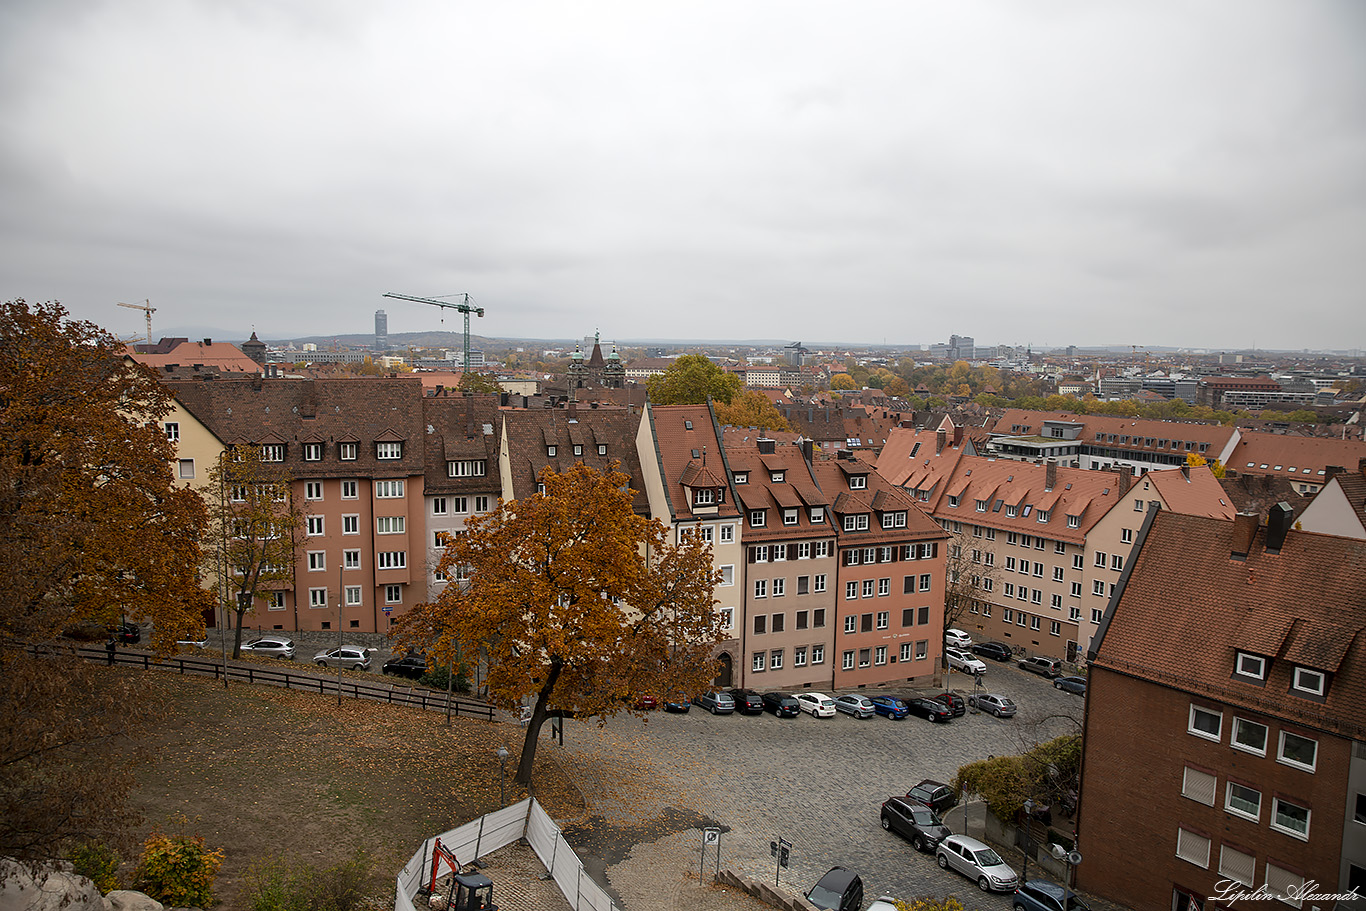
(237,638)
(533,729)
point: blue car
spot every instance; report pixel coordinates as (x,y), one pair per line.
(890,706)
(1071,685)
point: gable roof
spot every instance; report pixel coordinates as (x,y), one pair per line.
(679,432)
(529,435)
(1301,459)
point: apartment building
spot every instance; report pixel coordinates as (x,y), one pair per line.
(1223,731)
(1305,462)
(461,476)
(1104,442)
(790,568)
(890,588)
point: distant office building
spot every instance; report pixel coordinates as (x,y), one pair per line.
(381,330)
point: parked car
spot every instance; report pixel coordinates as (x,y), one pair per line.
(1038,664)
(890,706)
(414,667)
(978,862)
(960,660)
(837,890)
(883,903)
(1071,684)
(677,704)
(127,633)
(957,638)
(1000,706)
(934,794)
(997,651)
(747,702)
(953,701)
(193,643)
(783,705)
(716,703)
(358,659)
(1041,895)
(817,705)
(645,703)
(915,821)
(270,647)
(856,705)
(925,707)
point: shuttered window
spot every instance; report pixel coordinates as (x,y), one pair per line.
(1199,786)
(1192,848)
(1236,865)
(1282,883)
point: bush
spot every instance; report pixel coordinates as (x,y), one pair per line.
(177,870)
(436,678)
(275,886)
(97,862)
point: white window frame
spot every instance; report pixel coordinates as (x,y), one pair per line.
(351,524)
(1189,845)
(317,561)
(390,525)
(1228,869)
(317,598)
(818,654)
(313,490)
(351,559)
(389,489)
(393,594)
(1298,683)
(391,559)
(756,518)
(848,661)
(1239,811)
(1295,763)
(350,490)
(1293,832)
(348,452)
(353,596)
(799,656)
(1217,736)
(1199,786)
(1238,725)
(1251,666)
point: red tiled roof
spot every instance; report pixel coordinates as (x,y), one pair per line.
(1303,459)
(680,430)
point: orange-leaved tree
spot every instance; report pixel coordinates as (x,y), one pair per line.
(751,409)
(574,601)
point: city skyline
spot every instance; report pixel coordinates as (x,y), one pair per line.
(1083,174)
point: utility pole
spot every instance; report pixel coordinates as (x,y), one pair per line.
(464,307)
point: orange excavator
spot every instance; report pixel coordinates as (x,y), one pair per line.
(464,891)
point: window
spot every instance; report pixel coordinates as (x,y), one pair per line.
(1290,818)
(884,587)
(703,496)
(313,452)
(481,504)
(1198,786)
(1236,865)
(1283,883)
(1097,614)
(273,452)
(1008,615)
(818,653)
(1206,723)
(981,505)
(317,560)
(757,664)
(740,477)
(1033,622)
(350,490)
(953,503)
(172,430)
(817,515)
(883,619)
(848,663)
(850,591)
(779,553)
(858,482)
(1076,589)
(1249,736)
(856,523)
(353,595)
(438,506)
(1078,561)
(728,574)
(467,468)
(1243,801)
(1010,565)
(347,452)
(275,600)
(779,589)
(851,624)
(392,559)
(922,649)
(351,525)
(1192,848)
(389,525)
(1126,535)
(756,518)
(1097,587)
(1116,561)
(759,553)
(314,525)
(388,490)
(1010,589)
(1057,573)
(578,450)
(880,655)
(351,559)
(1074,521)
(864,656)
(802,617)
(925,582)
(804,550)
(1250,665)
(1309,681)
(727,534)
(1054,628)
(1038,570)
(1297,751)
(1100,559)
(186,467)
(760,589)
(905,654)
(602,449)
(818,583)
(867,588)
(317,597)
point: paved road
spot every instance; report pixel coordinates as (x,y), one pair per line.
(818,783)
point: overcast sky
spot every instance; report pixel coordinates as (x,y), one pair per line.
(1041,172)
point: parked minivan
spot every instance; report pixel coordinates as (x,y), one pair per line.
(838,890)
(1048,667)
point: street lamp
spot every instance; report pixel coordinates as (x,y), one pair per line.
(502,755)
(1029,813)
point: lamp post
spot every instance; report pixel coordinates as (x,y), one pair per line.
(1029,813)
(502,755)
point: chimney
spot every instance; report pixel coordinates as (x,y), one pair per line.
(766,447)
(808,450)
(1126,480)
(1244,532)
(957,435)
(1277,525)
(1330,471)
(208,341)
(1186,472)
(1050,476)
(940,438)
(573,409)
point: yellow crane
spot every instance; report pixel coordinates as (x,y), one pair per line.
(463,307)
(147,308)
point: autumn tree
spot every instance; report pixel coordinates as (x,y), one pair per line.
(689,380)
(842,381)
(574,600)
(93,527)
(752,409)
(257,529)
(480,383)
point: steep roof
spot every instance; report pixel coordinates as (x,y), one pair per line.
(1018,421)
(1257,604)
(1193,491)
(460,428)
(224,356)
(686,437)
(530,434)
(1302,459)
(913,457)
(879,496)
(797,490)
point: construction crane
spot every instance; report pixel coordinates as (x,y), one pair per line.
(147,308)
(463,307)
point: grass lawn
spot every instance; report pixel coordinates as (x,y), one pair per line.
(264,773)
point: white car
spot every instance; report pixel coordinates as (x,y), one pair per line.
(347,656)
(978,862)
(818,705)
(270,647)
(962,661)
(956,638)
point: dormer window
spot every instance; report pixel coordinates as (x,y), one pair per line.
(858,482)
(894,519)
(313,452)
(777,476)
(756,518)
(703,496)
(817,515)
(602,449)
(578,449)
(467,468)
(273,452)
(388,450)
(953,502)
(790,516)
(1010,512)
(1312,682)
(1250,666)
(981,505)
(1074,521)
(551,451)
(347,451)
(1043,515)
(741,477)
(856,522)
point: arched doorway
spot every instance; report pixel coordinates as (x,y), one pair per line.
(723,677)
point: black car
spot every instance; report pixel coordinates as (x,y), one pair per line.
(838,890)
(411,666)
(995,650)
(934,794)
(915,821)
(747,702)
(932,709)
(784,705)
(127,633)
(953,702)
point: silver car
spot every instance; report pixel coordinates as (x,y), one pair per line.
(856,705)
(1000,706)
(976,861)
(270,647)
(357,659)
